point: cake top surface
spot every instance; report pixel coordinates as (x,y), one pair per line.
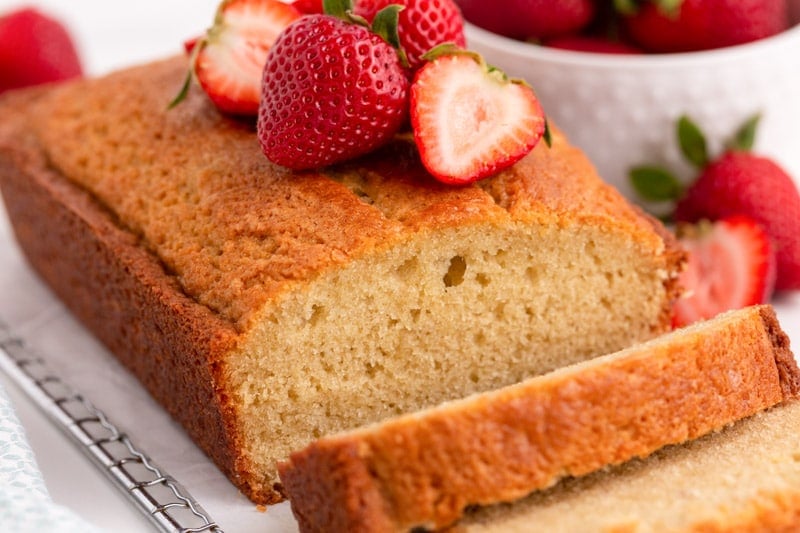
(195,187)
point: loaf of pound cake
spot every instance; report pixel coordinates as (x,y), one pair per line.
(421,470)
(266,308)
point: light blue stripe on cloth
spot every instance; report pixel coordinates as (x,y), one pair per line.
(25,505)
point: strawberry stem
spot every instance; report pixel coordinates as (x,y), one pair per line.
(184,91)
(187,82)
(547,135)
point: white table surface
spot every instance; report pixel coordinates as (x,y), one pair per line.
(111,35)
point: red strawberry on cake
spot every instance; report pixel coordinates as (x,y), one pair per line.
(332,90)
(423,24)
(469,119)
(228,61)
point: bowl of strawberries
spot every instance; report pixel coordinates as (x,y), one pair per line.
(617,75)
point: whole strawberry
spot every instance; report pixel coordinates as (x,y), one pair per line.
(422,25)
(332,90)
(35,49)
(736,183)
(529,19)
(689,25)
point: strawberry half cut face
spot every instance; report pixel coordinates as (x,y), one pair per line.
(469,120)
(230,59)
(731,265)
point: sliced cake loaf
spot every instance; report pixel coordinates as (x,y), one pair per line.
(424,469)
(743,479)
(266,308)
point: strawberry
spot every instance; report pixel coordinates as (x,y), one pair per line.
(529,19)
(470,120)
(308,7)
(731,264)
(422,24)
(35,49)
(332,90)
(736,183)
(742,183)
(229,60)
(688,25)
(189,44)
(586,43)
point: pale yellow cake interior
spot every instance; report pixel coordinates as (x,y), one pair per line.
(454,313)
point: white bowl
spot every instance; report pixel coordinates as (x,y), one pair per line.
(622,110)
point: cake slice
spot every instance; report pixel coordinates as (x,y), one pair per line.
(424,469)
(743,479)
(265,308)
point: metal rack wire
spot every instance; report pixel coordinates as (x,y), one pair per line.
(167,504)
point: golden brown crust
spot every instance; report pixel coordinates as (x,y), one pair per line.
(121,293)
(784,358)
(501,445)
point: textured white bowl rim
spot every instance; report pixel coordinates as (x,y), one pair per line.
(631,61)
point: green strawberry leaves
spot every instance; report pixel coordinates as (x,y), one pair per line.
(745,137)
(692,142)
(384,25)
(655,184)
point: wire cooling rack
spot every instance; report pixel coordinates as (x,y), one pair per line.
(167,504)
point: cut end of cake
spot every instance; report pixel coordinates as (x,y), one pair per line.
(439,318)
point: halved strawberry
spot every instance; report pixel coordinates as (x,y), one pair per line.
(228,61)
(731,265)
(469,119)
